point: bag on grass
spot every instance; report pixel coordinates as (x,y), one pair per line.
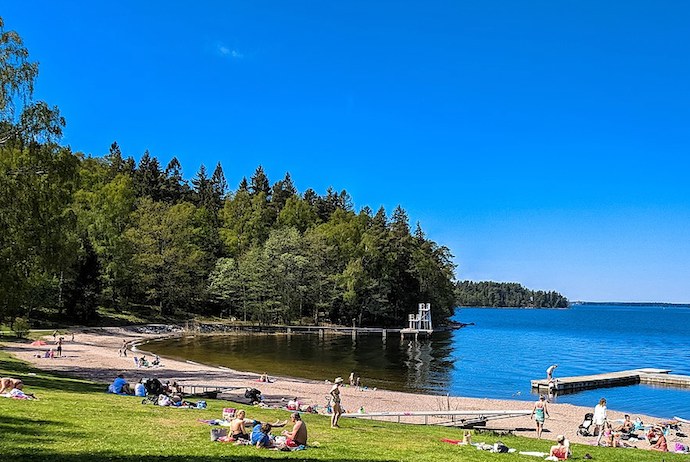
(218,433)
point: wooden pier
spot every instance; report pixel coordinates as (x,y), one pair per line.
(649,376)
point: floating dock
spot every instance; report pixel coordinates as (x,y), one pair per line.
(649,376)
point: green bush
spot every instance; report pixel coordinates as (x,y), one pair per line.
(21,327)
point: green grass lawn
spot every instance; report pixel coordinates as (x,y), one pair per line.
(74,420)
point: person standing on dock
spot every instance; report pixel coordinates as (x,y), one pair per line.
(599,419)
(540,413)
(549,372)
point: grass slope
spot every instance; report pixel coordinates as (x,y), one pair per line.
(75,421)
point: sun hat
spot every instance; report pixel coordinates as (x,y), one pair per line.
(560,438)
(338,380)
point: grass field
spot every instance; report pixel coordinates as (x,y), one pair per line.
(74,420)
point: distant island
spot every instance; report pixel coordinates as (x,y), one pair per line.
(505,295)
(674,305)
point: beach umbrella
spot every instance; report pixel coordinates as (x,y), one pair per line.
(38,343)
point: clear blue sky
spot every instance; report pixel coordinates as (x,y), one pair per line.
(543,142)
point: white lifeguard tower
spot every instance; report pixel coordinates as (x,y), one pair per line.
(419,323)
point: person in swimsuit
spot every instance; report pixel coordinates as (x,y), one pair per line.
(559,451)
(540,413)
(661,444)
(237,429)
(335,402)
(298,435)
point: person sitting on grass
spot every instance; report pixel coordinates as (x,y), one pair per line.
(298,435)
(261,436)
(237,429)
(120,386)
(237,425)
(560,451)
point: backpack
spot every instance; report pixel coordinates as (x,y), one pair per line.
(499,447)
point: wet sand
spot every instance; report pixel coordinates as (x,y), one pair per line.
(94,355)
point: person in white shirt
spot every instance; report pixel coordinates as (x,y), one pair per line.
(599,419)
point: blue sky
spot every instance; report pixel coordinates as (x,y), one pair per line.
(543,142)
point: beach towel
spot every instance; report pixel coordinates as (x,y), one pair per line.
(446,440)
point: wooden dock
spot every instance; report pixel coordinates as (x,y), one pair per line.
(650,376)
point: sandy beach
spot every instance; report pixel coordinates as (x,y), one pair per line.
(94,355)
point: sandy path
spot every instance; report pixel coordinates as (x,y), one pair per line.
(94,355)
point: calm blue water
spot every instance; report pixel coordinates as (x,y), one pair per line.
(508,347)
(495,358)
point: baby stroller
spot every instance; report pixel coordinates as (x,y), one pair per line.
(153,386)
(253,395)
(585,428)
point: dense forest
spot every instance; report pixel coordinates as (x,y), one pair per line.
(80,232)
(505,294)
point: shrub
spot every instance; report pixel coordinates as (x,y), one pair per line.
(21,327)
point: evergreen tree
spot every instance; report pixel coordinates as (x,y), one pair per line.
(282,191)
(259,183)
(219,187)
(148,178)
(175,188)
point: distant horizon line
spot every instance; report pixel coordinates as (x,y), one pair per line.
(586,302)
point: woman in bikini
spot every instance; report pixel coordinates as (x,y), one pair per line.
(540,413)
(335,402)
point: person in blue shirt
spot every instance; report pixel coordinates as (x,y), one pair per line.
(120,386)
(261,437)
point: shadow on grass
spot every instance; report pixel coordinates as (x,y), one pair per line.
(105,456)
(33,377)
(26,430)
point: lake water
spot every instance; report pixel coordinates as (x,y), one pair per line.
(495,358)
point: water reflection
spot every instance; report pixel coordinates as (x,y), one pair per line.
(424,365)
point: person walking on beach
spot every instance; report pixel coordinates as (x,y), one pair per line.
(549,372)
(540,413)
(599,419)
(352,378)
(335,400)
